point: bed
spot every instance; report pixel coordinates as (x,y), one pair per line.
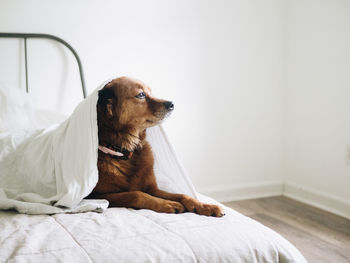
(128,235)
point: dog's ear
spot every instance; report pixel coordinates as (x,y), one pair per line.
(106,97)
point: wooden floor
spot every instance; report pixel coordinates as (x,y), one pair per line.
(319,235)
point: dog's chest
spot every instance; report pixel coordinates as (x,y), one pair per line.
(123,176)
(117,176)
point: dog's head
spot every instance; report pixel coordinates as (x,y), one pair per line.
(128,103)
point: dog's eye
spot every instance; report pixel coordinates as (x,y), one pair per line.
(141,95)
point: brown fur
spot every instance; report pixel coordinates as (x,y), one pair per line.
(122,121)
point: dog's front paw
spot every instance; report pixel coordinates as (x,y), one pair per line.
(170,207)
(192,205)
(209,210)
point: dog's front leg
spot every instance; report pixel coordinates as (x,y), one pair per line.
(141,200)
(190,203)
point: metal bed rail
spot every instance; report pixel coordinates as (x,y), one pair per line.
(26,36)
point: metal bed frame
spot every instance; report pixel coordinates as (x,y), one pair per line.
(26,36)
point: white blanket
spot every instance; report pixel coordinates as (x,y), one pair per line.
(51,170)
(128,235)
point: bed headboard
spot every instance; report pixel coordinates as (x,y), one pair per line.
(26,36)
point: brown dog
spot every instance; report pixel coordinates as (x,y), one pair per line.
(125,109)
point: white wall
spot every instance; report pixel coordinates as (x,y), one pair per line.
(220,61)
(318,97)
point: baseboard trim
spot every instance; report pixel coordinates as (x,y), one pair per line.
(318,199)
(330,203)
(226,193)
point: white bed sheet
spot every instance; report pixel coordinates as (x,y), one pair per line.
(128,235)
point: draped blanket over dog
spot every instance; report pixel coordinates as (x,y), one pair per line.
(51,170)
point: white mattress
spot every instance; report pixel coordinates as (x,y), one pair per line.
(127,235)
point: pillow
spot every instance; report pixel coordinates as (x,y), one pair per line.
(17,112)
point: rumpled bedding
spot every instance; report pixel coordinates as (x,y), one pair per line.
(49,170)
(128,235)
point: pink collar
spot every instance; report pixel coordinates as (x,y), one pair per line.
(116,152)
(109,151)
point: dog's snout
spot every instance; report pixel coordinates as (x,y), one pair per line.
(169,105)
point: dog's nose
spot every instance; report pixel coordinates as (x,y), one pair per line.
(169,105)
